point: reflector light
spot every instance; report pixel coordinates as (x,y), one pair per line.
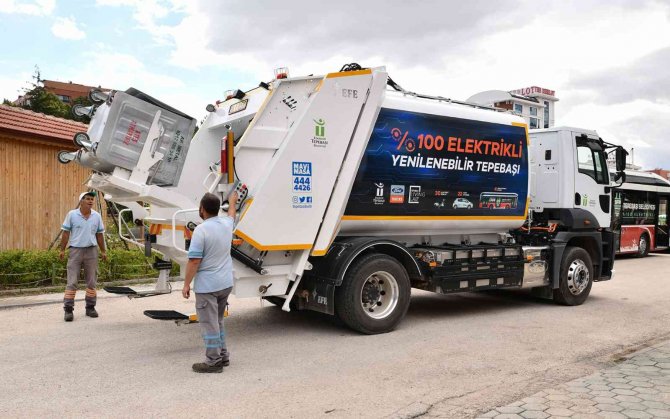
(281,73)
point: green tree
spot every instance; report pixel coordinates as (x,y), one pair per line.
(40,100)
(47,103)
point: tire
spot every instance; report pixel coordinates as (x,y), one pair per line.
(576,277)
(81,139)
(97,96)
(62,159)
(643,248)
(374,295)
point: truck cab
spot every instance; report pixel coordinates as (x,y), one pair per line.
(570,174)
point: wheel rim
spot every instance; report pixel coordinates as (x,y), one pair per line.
(643,245)
(379,295)
(578,277)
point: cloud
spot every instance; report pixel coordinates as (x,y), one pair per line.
(34,8)
(606,61)
(149,13)
(400,31)
(66,28)
(648,135)
(639,124)
(646,78)
(116,70)
(11,87)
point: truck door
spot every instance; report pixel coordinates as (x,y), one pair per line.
(591,179)
(662,236)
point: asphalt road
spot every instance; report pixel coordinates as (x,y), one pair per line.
(468,352)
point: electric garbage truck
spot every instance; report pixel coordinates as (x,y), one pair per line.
(353,191)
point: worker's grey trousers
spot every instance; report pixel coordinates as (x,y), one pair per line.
(88,257)
(210,307)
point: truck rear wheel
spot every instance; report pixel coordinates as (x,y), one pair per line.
(374,295)
(576,277)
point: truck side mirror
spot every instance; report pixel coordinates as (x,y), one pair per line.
(621,154)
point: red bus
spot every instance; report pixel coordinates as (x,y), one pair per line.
(498,200)
(640,213)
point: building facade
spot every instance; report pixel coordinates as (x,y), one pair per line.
(535,104)
(665,174)
(66,92)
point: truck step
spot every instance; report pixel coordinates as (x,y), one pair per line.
(131,293)
(120,290)
(172,315)
(165,315)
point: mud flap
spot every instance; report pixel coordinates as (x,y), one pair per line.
(316,295)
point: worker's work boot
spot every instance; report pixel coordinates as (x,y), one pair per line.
(90,312)
(69,316)
(201,367)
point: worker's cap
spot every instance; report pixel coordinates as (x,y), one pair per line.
(92,193)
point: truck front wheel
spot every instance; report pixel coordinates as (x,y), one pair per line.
(576,277)
(374,295)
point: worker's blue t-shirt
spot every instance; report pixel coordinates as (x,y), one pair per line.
(82,230)
(211,243)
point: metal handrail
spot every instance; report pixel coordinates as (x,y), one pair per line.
(174,225)
(174,228)
(135,242)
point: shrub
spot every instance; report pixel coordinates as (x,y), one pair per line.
(25,268)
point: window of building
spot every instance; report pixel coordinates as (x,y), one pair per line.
(518,108)
(533,110)
(64,99)
(534,123)
(546,114)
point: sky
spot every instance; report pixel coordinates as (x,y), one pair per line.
(608,61)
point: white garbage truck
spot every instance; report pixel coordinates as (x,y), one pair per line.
(354,191)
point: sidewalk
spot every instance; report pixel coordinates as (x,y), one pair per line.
(637,388)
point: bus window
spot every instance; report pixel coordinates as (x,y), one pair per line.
(639,208)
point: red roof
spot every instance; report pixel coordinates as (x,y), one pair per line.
(23,121)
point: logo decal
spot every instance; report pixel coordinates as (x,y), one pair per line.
(379,196)
(302,201)
(320,128)
(414,194)
(302,168)
(397,194)
(319,139)
(302,177)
